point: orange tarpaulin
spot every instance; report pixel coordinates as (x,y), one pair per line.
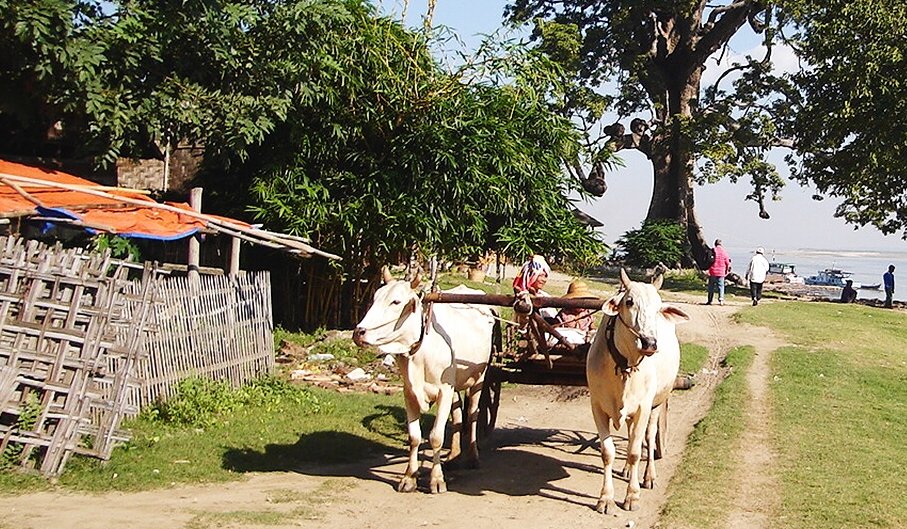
(103,213)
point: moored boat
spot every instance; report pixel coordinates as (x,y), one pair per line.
(782,273)
(831,277)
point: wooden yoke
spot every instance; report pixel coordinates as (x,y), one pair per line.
(507,300)
(536,323)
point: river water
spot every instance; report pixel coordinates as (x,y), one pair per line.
(867,266)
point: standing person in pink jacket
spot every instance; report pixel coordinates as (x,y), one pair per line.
(721,267)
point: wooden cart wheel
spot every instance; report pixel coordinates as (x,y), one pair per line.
(661,435)
(489,401)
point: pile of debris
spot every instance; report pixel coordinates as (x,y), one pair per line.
(332,362)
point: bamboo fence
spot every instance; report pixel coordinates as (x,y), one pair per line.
(219,327)
(82,346)
(61,329)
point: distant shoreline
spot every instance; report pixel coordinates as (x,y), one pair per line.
(823,293)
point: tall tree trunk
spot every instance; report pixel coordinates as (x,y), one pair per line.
(672,164)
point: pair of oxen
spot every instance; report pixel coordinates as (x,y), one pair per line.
(630,367)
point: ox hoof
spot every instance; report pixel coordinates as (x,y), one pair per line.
(648,484)
(438,487)
(631,504)
(407,484)
(606,507)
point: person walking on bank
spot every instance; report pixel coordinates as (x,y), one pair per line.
(888,278)
(720,268)
(755,274)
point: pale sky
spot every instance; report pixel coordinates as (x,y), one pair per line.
(796,221)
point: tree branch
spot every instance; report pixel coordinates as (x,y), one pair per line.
(719,30)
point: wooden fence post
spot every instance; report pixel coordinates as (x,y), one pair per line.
(195,201)
(234,257)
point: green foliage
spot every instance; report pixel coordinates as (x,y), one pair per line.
(201,402)
(840,113)
(28,418)
(120,247)
(658,241)
(318,117)
(454,167)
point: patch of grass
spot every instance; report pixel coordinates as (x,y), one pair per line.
(687,280)
(299,338)
(218,520)
(692,357)
(708,462)
(840,399)
(269,434)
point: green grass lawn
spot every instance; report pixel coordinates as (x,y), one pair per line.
(708,462)
(839,395)
(279,434)
(839,412)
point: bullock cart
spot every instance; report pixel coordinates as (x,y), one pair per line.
(529,350)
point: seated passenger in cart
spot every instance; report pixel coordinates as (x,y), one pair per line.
(531,279)
(532,276)
(575,324)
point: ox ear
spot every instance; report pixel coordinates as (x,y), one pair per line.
(416,281)
(674,314)
(612,306)
(657,281)
(386,274)
(624,279)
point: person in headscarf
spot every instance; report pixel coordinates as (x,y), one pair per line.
(533,276)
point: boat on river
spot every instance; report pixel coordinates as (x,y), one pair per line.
(876,286)
(831,277)
(782,273)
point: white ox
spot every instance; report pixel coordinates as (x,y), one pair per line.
(436,359)
(630,369)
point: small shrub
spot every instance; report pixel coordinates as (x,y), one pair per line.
(26,421)
(659,241)
(200,402)
(120,247)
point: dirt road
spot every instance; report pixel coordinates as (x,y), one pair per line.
(540,470)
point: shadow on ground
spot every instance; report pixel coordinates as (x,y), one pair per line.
(511,462)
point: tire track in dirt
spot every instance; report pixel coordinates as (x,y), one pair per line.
(756,497)
(754,486)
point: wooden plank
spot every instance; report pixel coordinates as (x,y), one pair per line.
(506,300)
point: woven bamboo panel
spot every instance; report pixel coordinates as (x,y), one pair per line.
(82,346)
(220,328)
(61,328)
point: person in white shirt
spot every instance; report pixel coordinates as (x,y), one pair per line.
(755,274)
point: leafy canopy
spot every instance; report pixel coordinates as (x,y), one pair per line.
(849,140)
(318,116)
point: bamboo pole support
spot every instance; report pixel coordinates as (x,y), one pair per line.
(195,200)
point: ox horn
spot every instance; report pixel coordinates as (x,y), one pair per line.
(386,274)
(624,279)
